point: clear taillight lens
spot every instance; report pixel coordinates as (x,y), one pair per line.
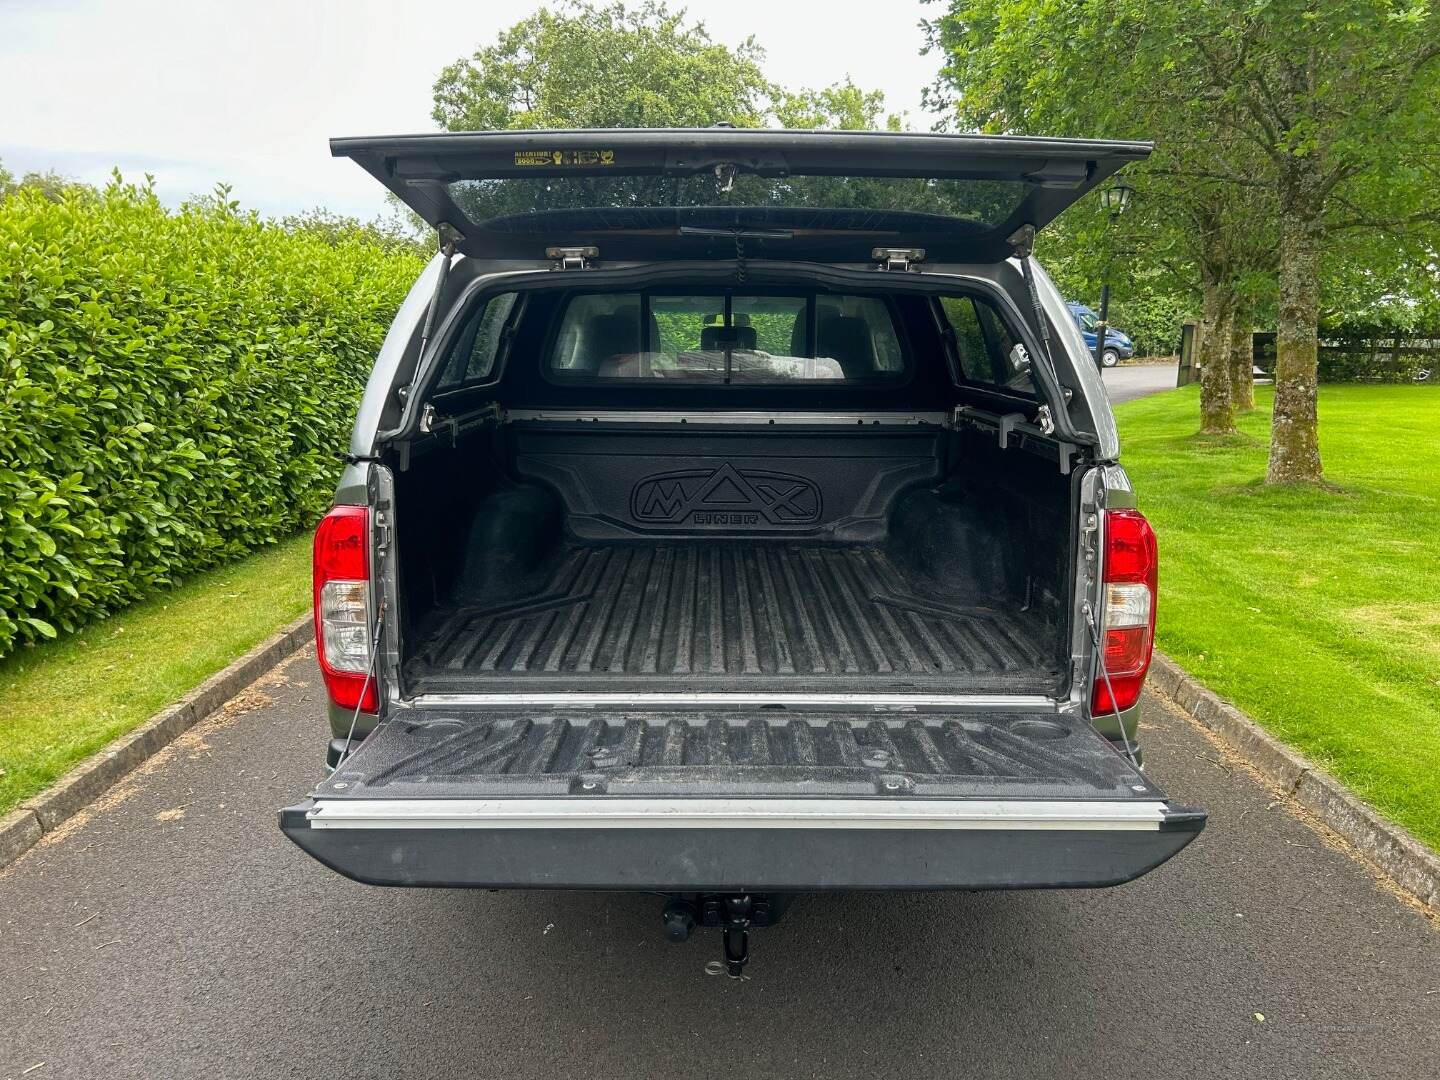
(1127,617)
(344,625)
(342,606)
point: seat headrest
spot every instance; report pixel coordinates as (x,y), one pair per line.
(715,338)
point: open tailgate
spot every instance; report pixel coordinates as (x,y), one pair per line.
(694,801)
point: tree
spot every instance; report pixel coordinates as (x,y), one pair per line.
(843,105)
(1242,356)
(1322,108)
(50,184)
(1028,67)
(1333,95)
(604,66)
(585,65)
(394,233)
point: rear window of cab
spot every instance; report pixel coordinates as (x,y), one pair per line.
(726,338)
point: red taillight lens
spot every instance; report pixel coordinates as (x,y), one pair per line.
(342,607)
(342,545)
(1127,623)
(1130,553)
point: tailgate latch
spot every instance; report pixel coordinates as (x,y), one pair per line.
(901,259)
(572,258)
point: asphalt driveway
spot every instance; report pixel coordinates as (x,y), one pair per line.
(175,933)
(1128,382)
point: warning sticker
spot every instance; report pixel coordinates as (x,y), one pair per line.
(563,158)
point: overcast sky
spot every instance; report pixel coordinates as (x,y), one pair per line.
(248,91)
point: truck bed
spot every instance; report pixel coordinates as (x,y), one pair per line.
(703,613)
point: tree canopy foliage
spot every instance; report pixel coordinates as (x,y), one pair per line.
(1296,152)
(842,105)
(612,66)
(584,65)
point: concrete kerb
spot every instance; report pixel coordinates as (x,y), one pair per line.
(23,827)
(1409,863)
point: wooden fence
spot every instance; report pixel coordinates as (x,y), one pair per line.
(1345,356)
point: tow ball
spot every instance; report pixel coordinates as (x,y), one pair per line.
(733,913)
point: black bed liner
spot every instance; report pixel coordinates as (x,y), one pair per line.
(709,613)
(738,752)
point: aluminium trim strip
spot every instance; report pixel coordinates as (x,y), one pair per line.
(603,812)
(580,699)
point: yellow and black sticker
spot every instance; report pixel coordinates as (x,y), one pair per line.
(563,158)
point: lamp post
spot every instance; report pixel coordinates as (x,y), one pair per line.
(1113,200)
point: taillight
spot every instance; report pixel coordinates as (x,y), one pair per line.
(1127,617)
(342,607)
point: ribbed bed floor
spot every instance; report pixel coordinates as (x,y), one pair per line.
(715,611)
(726,609)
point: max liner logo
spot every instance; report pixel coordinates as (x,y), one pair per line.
(725,496)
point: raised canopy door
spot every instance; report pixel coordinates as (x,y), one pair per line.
(690,193)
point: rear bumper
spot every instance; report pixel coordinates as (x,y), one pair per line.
(703,845)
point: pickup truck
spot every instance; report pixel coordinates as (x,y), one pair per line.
(733,514)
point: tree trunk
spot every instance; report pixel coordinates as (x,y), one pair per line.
(1217,415)
(1295,429)
(1242,361)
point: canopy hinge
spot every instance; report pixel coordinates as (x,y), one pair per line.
(450,236)
(902,259)
(573,258)
(1022,241)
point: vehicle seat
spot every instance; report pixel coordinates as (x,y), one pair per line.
(846,340)
(613,346)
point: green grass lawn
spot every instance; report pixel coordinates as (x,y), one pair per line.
(1317,612)
(65,699)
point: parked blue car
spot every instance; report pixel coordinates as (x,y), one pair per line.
(1118,346)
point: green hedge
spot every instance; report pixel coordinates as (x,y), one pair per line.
(174,387)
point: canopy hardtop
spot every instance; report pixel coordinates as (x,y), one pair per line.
(680,192)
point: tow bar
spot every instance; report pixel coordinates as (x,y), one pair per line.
(734,913)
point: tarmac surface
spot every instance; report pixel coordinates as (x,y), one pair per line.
(173,931)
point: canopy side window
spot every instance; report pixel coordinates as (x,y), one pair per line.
(989,356)
(471,359)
